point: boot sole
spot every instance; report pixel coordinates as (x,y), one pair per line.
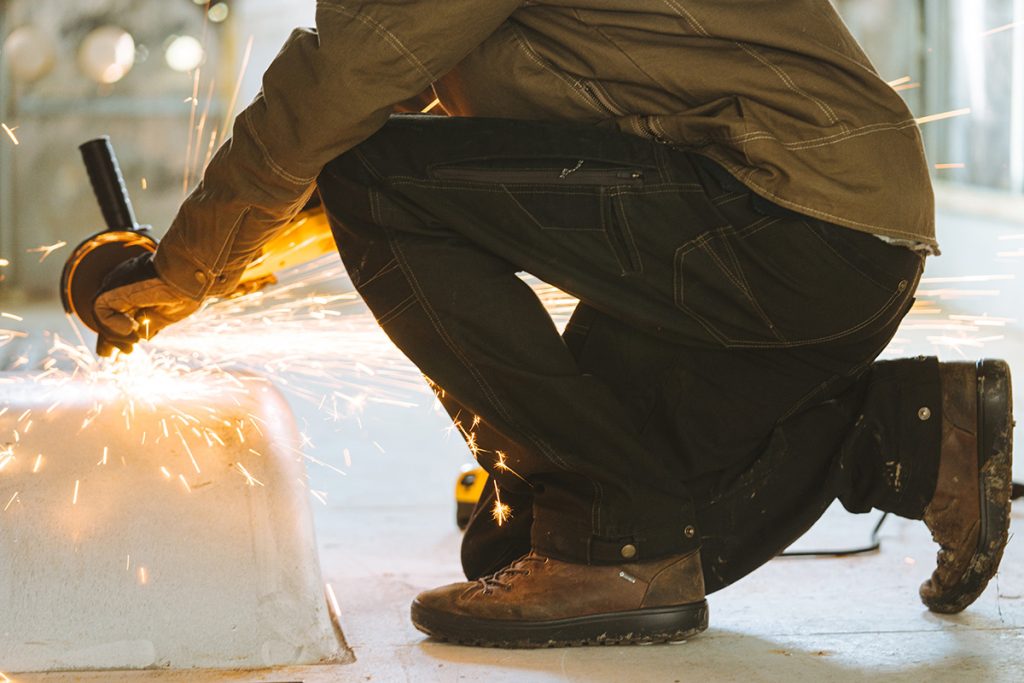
(995,465)
(634,627)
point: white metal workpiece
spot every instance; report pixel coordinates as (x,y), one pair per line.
(156,522)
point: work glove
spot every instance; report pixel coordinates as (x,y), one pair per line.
(134,303)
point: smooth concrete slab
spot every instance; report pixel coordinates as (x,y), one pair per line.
(151,520)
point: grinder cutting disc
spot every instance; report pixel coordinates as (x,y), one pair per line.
(91,262)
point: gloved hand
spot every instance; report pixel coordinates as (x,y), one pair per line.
(133,303)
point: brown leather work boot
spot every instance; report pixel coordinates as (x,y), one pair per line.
(541,602)
(969,515)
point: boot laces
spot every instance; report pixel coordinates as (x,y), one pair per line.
(500,578)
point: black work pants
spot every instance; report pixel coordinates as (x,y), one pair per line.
(715,387)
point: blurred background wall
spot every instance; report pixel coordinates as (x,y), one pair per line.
(945,55)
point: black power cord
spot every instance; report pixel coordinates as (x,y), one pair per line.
(1016,492)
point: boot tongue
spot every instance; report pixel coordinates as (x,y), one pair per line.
(497,579)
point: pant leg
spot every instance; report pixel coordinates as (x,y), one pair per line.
(865,440)
(433,219)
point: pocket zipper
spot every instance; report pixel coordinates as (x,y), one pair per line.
(573,175)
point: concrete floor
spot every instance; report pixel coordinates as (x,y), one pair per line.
(387,532)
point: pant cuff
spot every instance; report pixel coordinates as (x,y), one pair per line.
(552,537)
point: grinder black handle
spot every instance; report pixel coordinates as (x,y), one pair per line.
(108,184)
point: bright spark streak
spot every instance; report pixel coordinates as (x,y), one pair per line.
(11,316)
(74,499)
(332,600)
(47,249)
(145,184)
(10,133)
(941,167)
(165,471)
(184,483)
(500,512)
(944,115)
(4,262)
(143,576)
(319,495)
(1000,29)
(39,463)
(230,111)
(431,106)
(188,450)
(253,481)
(10,501)
(900,81)
(127,561)
(966,278)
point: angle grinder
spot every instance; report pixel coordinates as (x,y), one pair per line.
(307,237)
(98,255)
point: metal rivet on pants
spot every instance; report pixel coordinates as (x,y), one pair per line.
(924,413)
(689,532)
(903,285)
(628,551)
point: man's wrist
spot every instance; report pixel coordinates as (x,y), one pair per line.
(181,272)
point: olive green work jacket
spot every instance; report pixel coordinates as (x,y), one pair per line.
(777,91)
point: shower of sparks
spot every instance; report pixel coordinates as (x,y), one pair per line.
(10,133)
(500,512)
(944,115)
(47,249)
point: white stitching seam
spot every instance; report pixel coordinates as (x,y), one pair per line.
(824,141)
(383,32)
(274,166)
(782,75)
(744,175)
(577,88)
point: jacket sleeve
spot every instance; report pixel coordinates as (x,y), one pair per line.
(326,91)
